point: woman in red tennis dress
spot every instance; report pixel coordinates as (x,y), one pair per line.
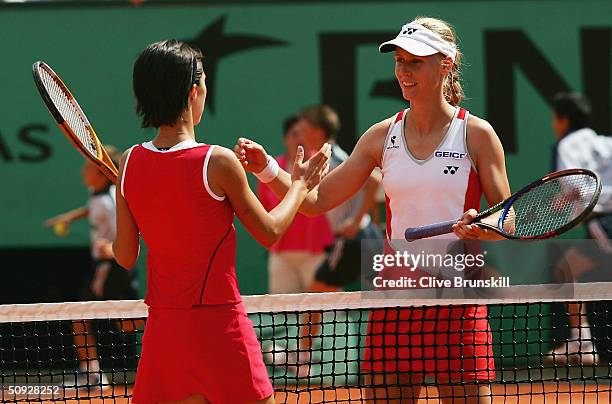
(181,196)
(436,161)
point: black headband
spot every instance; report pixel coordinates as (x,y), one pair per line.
(194,71)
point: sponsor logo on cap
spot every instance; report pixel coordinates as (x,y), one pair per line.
(408,31)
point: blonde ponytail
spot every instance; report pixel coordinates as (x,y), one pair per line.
(453,91)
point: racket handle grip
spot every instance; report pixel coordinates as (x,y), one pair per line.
(436,229)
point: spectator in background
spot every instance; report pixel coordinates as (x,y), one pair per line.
(350,222)
(578,146)
(107,281)
(294,258)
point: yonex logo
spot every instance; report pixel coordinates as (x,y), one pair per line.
(450,170)
(449,154)
(408,31)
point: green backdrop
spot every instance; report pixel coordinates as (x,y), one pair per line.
(264,61)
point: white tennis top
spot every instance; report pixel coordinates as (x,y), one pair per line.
(421,192)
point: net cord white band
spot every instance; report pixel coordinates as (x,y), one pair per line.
(126,309)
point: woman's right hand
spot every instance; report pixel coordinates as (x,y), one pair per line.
(314,169)
(251,155)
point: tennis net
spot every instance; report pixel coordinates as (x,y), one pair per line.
(341,347)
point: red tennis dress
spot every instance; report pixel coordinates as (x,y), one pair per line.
(198,338)
(449,344)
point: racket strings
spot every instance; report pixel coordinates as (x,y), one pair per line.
(70,112)
(550,206)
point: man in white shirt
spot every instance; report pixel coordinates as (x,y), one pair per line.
(578,146)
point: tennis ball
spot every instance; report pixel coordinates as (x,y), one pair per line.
(61,229)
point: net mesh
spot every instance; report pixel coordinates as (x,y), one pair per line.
(551,205)
(326,348)
(70,111)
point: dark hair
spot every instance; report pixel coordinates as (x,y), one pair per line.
(324,117)
(163,75)
(575,107)
(288,123)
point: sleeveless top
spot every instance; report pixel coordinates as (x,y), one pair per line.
(188,230)
(439,188)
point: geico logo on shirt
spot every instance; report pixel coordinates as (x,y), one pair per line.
(449,154)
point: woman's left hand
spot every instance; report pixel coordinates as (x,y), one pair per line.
(467,231)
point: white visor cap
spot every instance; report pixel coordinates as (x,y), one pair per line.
(419,41)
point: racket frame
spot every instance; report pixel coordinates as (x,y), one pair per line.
(102,159)
(446,227)
(507,204)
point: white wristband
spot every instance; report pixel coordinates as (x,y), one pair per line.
(270,172)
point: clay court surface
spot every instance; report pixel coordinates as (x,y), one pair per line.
(507,394)
(522,394)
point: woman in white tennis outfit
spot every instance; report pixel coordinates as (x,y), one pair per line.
(436,160)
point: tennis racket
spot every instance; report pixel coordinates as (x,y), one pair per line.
(71,119)
(543,209)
